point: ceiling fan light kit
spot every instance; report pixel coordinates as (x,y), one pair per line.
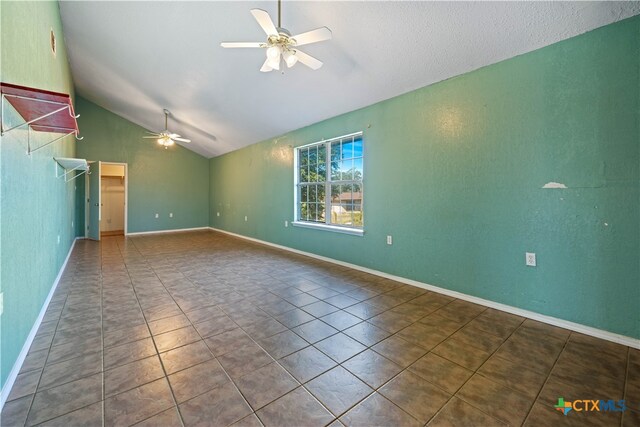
(281,46)
(166,138)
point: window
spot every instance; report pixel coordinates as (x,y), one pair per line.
(329,186)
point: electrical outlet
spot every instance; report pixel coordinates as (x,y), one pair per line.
(530,259)
(246,219)
(171,215)
(286,223)
(389,240)
(71,224)
(217,213)
(58,239)
(157,215)
(1,303)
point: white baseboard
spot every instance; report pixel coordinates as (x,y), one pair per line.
(175,230)
(4,394)
(577,327)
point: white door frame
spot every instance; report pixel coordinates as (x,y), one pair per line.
(126,190)
(126,197)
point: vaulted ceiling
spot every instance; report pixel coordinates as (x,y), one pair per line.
(136,58)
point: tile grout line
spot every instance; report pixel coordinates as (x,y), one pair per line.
(166,377)
(152,264)
(201,338)
(258,344)
(104,391)
(477,369)
(548,376)
(626,384)
(48,353)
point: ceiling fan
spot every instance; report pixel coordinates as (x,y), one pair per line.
(281,45)
(166,138)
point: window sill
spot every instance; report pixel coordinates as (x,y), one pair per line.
(332,228)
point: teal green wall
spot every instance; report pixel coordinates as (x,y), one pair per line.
(454,172)
(161,181)
(35,207)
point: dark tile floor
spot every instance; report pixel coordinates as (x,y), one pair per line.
(203,329)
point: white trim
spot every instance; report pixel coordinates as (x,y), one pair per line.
(6,390)
(126,191)
(332,228)
(577,327)
(324,141)
(175,230)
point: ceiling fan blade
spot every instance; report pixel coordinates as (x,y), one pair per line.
(241,44)
(174,135)
(151,137)
(182,139)
(308,60)
(264,20)
(313,36)
(266,67)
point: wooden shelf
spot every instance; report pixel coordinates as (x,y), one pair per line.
(42,111)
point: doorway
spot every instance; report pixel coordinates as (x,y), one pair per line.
(106,213)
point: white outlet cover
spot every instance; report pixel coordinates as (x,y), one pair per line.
(530,259)
(217,213)
(286,223)
(246,219)
(157,215)
(1,303)
(389,240)
(171,215)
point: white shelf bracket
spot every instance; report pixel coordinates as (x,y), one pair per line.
(81,165)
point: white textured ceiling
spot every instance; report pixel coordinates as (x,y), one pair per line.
(136,58)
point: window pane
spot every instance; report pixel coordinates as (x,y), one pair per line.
(320,190)
(335,193)
(357,147)
(322,153)
(312,211)
(347,149)
(357,169)
(347,169)
(312,193)
(335,151)
(313,172)
(322,172)
(340,160)
(320,212)
(313,155)
(357,215)
(343,215)
(335,171)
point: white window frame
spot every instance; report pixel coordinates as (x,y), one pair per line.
(327,226)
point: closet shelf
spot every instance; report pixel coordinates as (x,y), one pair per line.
(69,165)
(42,111)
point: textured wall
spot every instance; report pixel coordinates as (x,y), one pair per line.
(454,171)
(160,181)
(36,208)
